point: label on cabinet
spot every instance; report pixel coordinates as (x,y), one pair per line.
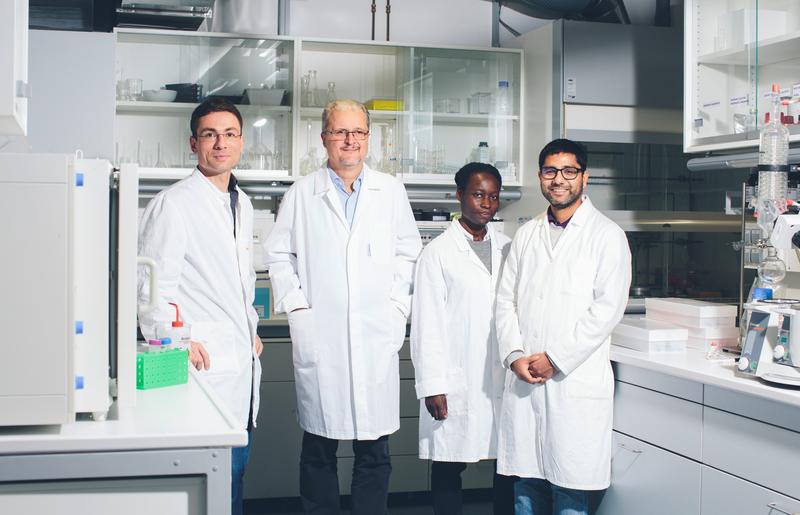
(572,89)
(739,100)
(713,103)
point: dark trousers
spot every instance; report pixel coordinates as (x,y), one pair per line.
(319,481)
(446,490)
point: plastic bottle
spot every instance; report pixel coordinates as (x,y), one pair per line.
(177,330)
(502,98)
(773,167)
(483,152)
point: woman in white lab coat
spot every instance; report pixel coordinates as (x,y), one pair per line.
(453,343)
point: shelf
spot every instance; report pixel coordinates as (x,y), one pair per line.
(244,176)
(144,107)
(444,118)
(770,51)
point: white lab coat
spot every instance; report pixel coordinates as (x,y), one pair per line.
(188,230)
(454,346)
(564,301)
(357,284)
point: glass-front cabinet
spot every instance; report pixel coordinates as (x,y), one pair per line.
(735,50)
(431,109)
(162,76)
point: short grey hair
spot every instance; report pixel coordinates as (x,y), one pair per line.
(344,104)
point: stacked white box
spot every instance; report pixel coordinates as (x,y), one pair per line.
(652,336)
(706,321)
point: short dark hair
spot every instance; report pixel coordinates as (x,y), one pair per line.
(213,105)
(564,146)
(468,170)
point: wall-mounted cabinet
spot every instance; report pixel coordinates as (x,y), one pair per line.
(432,109)
(734,51)
(254,73)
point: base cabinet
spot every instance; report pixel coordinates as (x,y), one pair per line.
(649,480)
(723,494)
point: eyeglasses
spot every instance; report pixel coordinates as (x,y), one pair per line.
(341,134)
(568,172)
(211,136)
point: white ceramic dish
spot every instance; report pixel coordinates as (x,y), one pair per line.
(159,95)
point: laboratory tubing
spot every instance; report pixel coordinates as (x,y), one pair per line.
(177,331)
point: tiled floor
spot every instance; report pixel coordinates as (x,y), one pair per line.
(469,509)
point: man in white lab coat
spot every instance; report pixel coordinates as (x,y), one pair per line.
(199,231)
(564,287)
(459,377)
(341,259)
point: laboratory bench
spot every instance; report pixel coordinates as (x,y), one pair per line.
(693,437)
(170,453)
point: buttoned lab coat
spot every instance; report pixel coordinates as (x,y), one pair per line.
(188,230)
(454,346)
(357,284)
(564,301)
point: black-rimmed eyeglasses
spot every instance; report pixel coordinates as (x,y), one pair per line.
(568,172)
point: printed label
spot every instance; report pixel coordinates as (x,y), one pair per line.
(572,89)
(739,100)
(713,103)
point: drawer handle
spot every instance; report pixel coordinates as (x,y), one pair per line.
(774,506)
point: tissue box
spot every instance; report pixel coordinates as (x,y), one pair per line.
(157,369)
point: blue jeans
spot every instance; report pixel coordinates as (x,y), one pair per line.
(239,458)
(541,497)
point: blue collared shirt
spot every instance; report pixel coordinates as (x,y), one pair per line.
(349,200)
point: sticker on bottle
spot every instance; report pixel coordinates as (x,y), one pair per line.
(572,89)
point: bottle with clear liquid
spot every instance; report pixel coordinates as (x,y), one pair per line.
(503,98)
(773,167)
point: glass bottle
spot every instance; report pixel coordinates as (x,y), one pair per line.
(331,91)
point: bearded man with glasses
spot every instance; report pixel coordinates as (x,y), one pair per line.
(563,289)
(199,231)
(341,259)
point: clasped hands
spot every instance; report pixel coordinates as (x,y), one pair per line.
(533,369)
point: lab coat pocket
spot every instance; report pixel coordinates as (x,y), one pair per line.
(380,244)
(301,330)
(457,393)
(590,381)
(400,322)
(577,278)
(218,338)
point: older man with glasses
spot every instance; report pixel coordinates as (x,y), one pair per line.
(341,258)
(199,231)
(563,289)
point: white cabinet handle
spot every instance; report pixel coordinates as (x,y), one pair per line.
(149,263)
(774,506)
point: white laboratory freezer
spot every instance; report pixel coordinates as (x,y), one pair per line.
(55,295)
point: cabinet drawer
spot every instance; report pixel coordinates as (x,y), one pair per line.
(406,369)
(663,420)
(409,404)
(761,453)
(478,475)
(723,493)
(652,481)
(276,361)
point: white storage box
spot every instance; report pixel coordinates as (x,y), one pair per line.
(705,344)
(690,312)
(649,335)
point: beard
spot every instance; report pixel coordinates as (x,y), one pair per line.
(565,203)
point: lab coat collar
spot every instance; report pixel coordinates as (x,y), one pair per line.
(198,176)
(323,185)
(583,213)
(458,233)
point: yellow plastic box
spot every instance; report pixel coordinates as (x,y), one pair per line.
(384,104)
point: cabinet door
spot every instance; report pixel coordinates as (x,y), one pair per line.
(646,479)
(735,51)
(723,493)
(274,467)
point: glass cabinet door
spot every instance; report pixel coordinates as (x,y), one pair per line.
(430,108)
(461,106)
(736,50)
(162,76)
